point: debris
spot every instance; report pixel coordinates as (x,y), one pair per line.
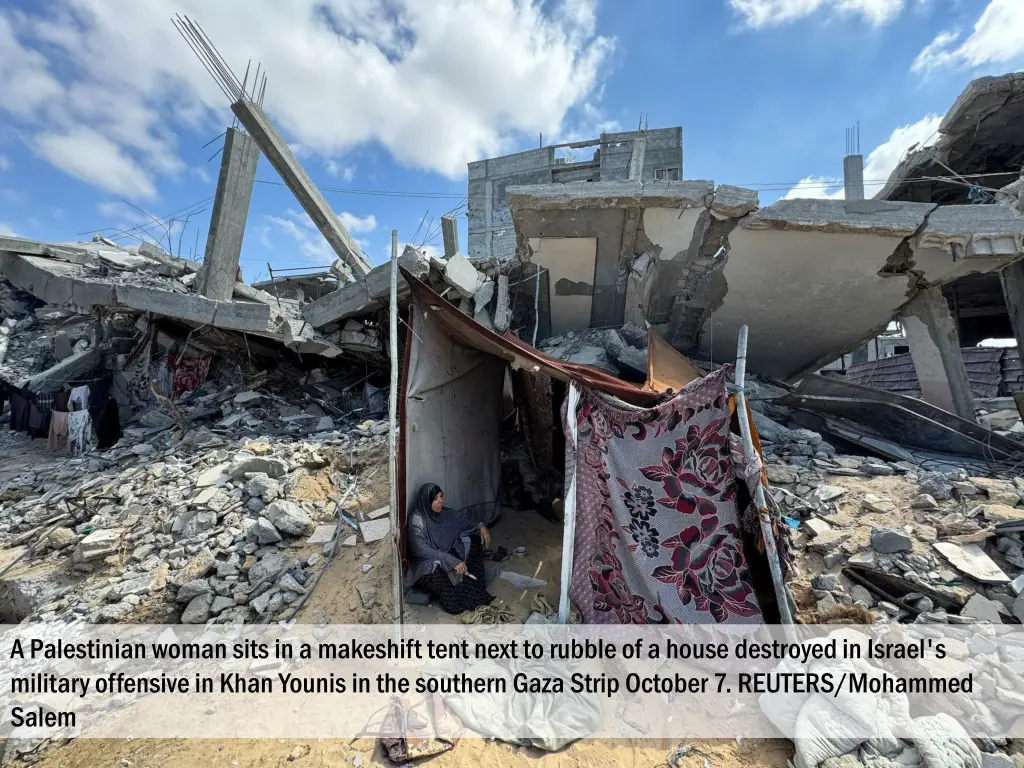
(971,560)
(887,541)
(982,608)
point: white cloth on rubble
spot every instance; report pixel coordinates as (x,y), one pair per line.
(79,398)
(824,727)
(79,432)
(529,719)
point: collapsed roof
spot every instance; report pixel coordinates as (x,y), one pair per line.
(811,278)
(979,139)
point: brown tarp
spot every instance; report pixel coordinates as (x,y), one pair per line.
(666,368)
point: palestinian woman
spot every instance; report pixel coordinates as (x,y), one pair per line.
(446,552)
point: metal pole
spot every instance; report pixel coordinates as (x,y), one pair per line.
(569,509)
(781,593)
(397,594)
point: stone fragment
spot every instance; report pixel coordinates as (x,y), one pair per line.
(888,541)
(322,534)
(816,527)
(972,560)
(187,592)
(98,544)
(862,595)
(201,564)
(781,474)
(288,518)
(221,604)
(197,611)
(828,542)
(261,485)
(877,504)
(367,596)
(863,558)
(245,465)
(267,568)
(828,492)
(244,398)
(936,485)
(980,607)
(998,491)
(264,532)
(374,530)
(924,501)
(214,476)
(1002,513)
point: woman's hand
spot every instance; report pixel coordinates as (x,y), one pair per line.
(485,537)
(461,569)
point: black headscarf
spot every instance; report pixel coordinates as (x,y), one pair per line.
(442,529)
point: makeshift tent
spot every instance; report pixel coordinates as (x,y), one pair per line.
(702,563)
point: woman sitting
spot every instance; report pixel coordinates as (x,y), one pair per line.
(445,552)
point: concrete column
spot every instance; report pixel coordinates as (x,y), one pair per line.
(853,177)
(636,159)
(1012,279)
(230,209)
(935,350)
(450,233)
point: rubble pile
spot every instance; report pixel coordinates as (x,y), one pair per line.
(619,351)
(207,523)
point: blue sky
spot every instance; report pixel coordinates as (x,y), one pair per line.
(106,112)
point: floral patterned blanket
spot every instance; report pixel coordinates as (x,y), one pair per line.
(657,524)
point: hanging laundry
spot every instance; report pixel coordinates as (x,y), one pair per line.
(188,373)
(58,439)
(160,377)
(79,432)
(79,399)
(60,400)
(107,422)
(99,391)
(19,412)
(38,419)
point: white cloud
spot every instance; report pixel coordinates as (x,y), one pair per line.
(816,186)
(353,223)
(12,196)
(7,230)
(758,14)
(92,157)
(437,84)
(122,212)
(998,37)
(5,163)
(344,172)
(297,225)
(879,164)
(201,173)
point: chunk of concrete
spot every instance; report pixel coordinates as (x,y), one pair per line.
(980,607)
(972,560)
(322,534)
(98,544)
(289,518)
(374,530)
(197,611)
(460,273)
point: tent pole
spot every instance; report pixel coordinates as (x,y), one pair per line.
(767,534)
(396,575)
(569,507)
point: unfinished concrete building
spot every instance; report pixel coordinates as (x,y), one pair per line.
(491,233)
(813,279)
(975,156)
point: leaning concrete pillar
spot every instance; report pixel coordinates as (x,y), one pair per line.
(230,210)
(1012,279)
(935,349)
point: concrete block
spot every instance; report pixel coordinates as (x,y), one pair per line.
(463,276)
(98,544)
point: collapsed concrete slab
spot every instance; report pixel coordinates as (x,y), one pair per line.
(367,294)
(810,278)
